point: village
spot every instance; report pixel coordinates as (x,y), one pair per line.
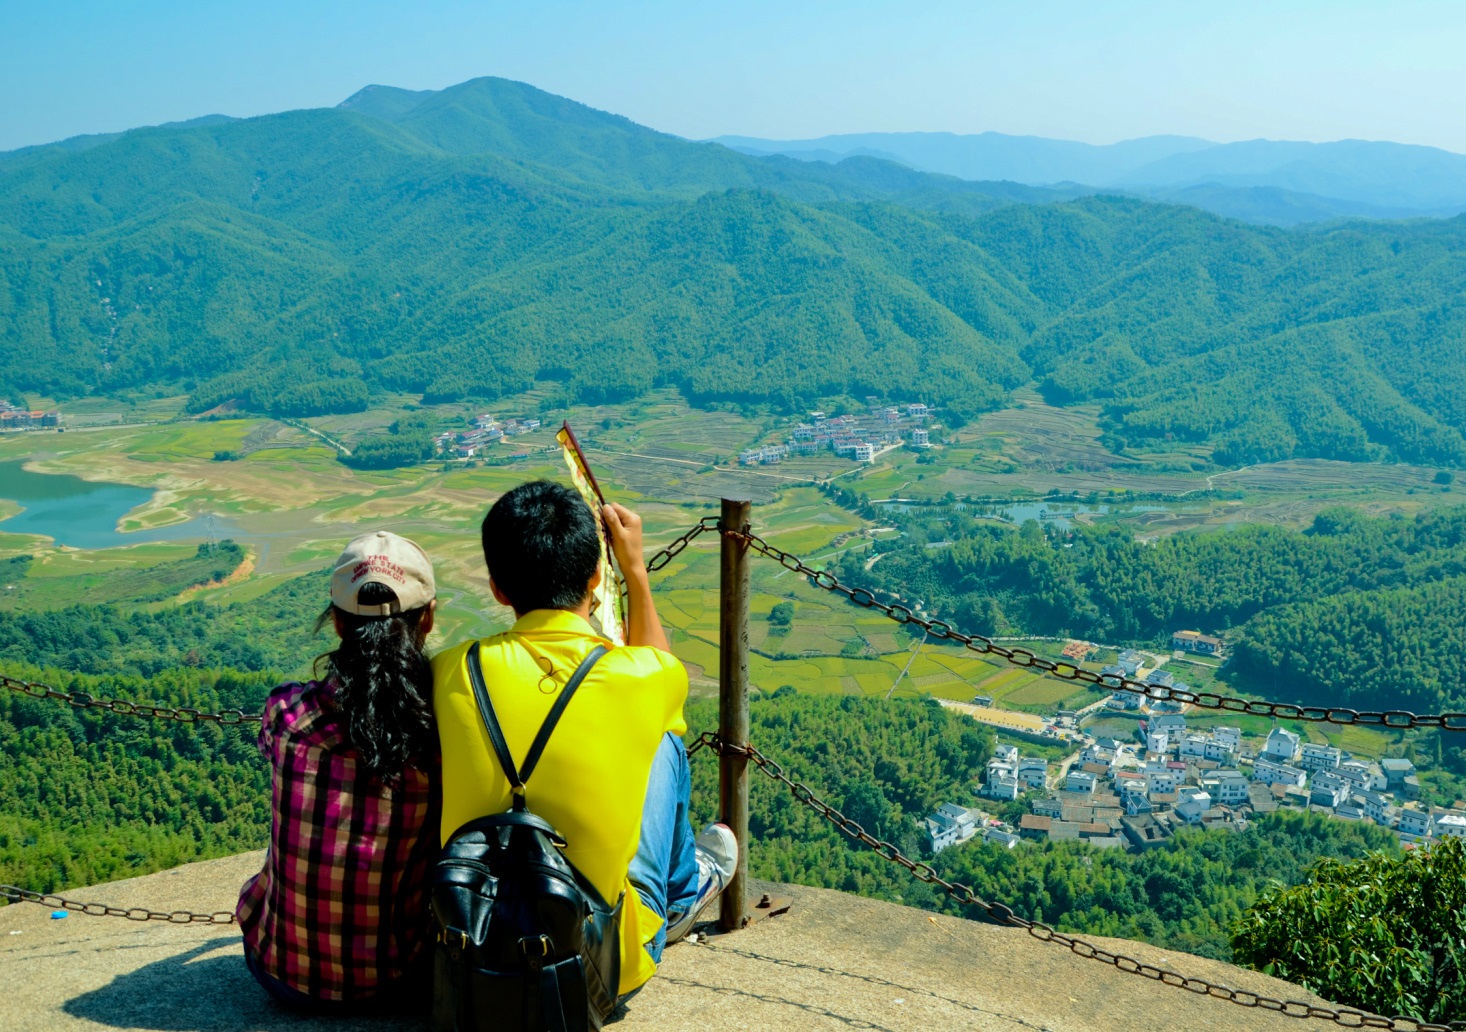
(486,431)
(861,438)
(1137,794)
(13,418)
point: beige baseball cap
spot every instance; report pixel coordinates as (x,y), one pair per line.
(384,558)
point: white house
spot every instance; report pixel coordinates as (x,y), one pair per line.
(1079,781)
(950,825)
(1206,747)
(1049,806)
(1004,786)
(1415,823)
(1451,824)
(1192,744)
(1375,806)
(1227,737)
(1227,787)
(1396,770)
(1281,745)
(1003,838)
(1006,753)
(1135,804)
(1196,793)
(1172,723)
(1033,772)
(1273,773)
(1161,780)
(1193,809)
(1330,790)
(1316,757)
(1365,776)
(1219,750)
(1157,742)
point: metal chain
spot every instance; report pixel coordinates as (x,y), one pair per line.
(1003,914)
(941,630)
(666,555)
(19,895)
(82,700)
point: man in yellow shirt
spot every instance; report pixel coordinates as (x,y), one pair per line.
(613,778)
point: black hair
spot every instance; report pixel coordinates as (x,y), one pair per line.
(383,685)
(542,545)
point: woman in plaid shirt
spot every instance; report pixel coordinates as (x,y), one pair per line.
(338,917)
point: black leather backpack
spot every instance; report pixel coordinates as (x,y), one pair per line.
(524,943)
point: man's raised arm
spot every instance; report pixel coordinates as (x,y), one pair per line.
(643,626)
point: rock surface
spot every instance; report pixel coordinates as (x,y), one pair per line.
(833,961)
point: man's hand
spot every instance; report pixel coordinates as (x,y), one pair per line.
(642,625)
(624,527)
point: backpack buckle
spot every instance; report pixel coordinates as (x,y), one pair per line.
(535,947)
(453,937)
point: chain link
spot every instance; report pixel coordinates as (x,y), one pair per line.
(1004,915)
(943,631)
(666,555)
(82,700)
(19,895)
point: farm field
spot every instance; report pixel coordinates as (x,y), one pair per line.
(292,505)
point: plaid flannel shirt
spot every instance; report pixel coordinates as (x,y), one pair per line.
(341,908)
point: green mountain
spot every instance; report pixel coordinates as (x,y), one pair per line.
(469,241)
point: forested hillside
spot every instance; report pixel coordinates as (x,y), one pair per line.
(474,241)
(1352,612)
(90,796)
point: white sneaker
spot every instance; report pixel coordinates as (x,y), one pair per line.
(717,857)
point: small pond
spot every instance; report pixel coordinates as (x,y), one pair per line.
(83,513)
(1059,514)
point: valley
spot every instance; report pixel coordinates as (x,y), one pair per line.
(290,504)
(1096,427)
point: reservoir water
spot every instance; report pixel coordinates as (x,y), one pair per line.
(81,513)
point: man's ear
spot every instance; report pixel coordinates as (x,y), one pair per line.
(425,625)
(594,582)
(499,596)
(339,622)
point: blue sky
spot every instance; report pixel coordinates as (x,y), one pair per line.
(1099,71)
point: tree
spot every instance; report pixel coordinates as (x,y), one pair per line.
(1384,933)
(782,615)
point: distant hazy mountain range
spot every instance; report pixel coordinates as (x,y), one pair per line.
(474,241)
(1259,180)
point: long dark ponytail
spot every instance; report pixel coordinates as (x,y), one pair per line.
(383,685)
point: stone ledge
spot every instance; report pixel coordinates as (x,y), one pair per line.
(833,961)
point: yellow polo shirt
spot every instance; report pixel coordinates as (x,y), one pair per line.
(591,781)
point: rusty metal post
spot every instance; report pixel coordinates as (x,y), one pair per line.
(733,705)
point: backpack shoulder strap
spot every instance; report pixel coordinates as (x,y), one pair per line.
(518,776)
(491,724)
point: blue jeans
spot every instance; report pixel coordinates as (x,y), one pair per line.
(664,870)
